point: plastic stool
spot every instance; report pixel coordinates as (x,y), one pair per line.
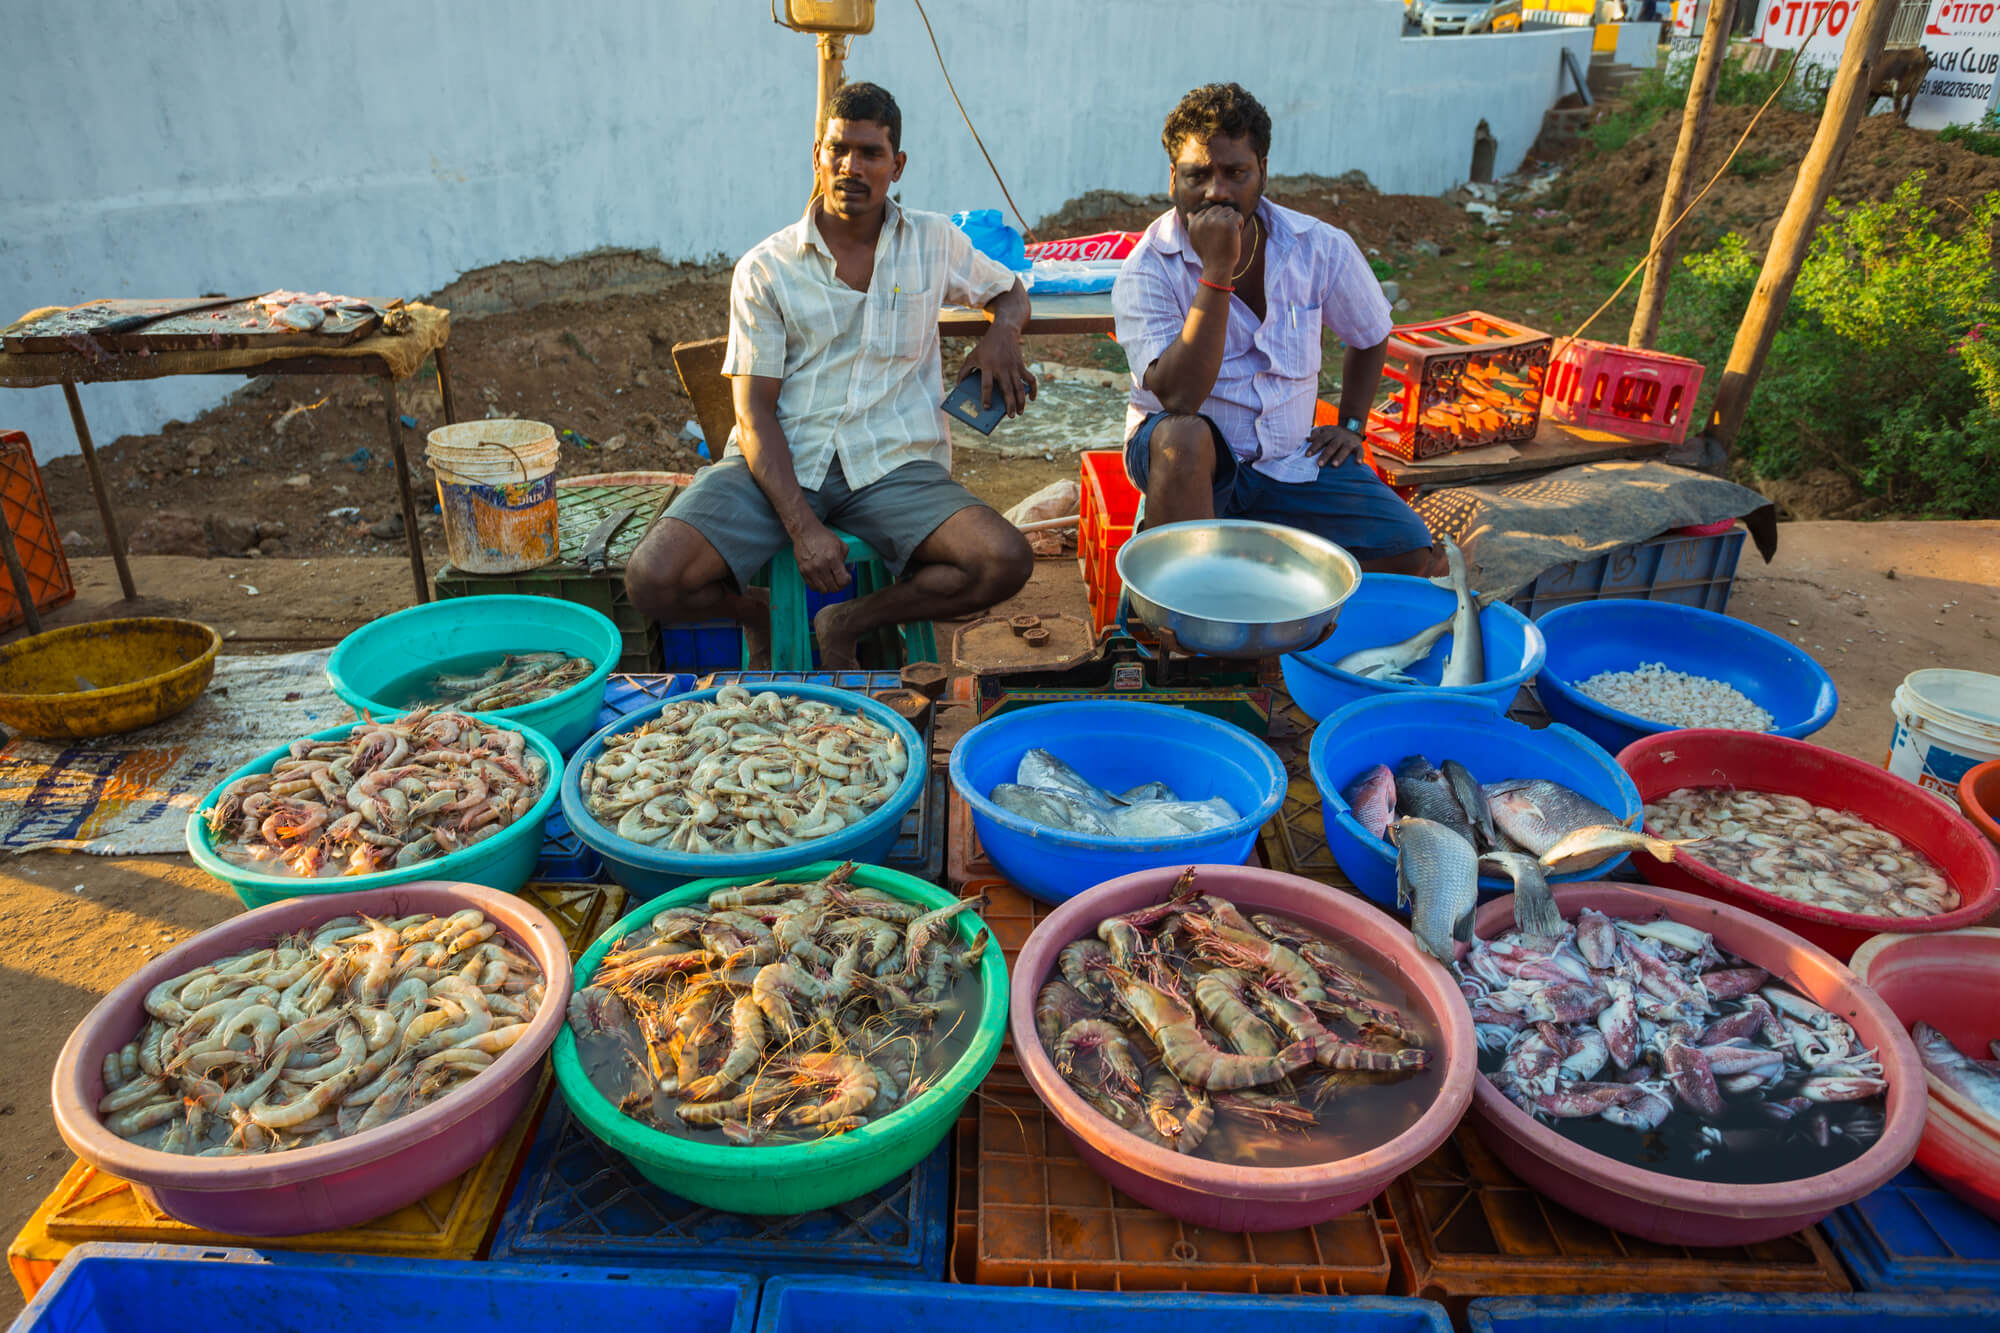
(791,614)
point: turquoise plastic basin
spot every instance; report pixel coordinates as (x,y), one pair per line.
(505,861)
(386,650)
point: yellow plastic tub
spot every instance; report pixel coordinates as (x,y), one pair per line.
(104,678)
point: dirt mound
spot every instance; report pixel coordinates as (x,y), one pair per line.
(1618,192)
(1383,221)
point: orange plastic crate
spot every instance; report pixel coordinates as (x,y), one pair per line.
(1626,390)
(1110,509)
(1029,1213)
(1463,382)
(36,539)
(1466,1227)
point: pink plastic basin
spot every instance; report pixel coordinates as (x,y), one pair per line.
(1951,982)
(1673,1210)
(333,1185)
(1211,1194)
(1712,758)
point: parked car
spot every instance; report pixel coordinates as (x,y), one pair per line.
(1444,17)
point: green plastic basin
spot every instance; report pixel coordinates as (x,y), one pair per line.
(796,1177)
(385,651)
(505,861)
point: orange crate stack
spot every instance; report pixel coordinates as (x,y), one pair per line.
(1012,916)
(1626,390)
(1459,383)
(1466,1227)
(1110,509)
(35,537)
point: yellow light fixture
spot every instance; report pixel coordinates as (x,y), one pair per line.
(848,17)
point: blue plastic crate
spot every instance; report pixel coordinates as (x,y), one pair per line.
(868,681)
(110,1288)
(1690,571)
(580,1202)
(564,858)
(1912,1235)
(708,645)
(1722,1314)
(920,845)
(629,693)
(835,1305)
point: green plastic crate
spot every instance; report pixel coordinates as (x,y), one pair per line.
(579,509)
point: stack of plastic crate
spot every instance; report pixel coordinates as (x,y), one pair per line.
(1624,390)
(1464,382)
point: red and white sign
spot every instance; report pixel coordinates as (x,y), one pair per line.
(1083,249)
(1962,37)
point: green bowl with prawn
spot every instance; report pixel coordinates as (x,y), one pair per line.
(505,861)
(790,1178)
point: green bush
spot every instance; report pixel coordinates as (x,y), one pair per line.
(1983,138)
(1885,364)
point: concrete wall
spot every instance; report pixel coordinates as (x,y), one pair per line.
(381,148)
(1638,45)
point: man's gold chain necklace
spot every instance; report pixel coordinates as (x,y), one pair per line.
(1255,241)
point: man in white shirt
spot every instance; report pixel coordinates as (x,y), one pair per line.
(834,363)
(1219,309)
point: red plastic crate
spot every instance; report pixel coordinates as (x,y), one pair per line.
(1110,509)
(35,537)
(1628,390)
(1457,383)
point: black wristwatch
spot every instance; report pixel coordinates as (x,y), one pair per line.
(1352,424)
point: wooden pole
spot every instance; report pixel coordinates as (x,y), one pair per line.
(112,536)
(832,60)
(1694,118)
(1845,102)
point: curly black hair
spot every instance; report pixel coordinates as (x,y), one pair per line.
(868,101)
(1218,108)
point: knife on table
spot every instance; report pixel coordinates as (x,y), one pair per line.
(597,547)
(133,323)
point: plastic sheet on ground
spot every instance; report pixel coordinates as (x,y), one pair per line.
(1514,530)
(131,795)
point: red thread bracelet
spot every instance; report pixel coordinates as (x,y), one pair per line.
(1216,285)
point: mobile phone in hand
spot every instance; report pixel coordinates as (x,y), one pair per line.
(963,403)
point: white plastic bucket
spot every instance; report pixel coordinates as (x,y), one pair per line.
(496,483)
(1946,723)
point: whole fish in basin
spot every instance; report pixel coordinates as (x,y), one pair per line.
(1423,792)
(1392,662)
(1055,809)
(1535,910)
(1437,881)
(1977,1081)
(1466,663)
(1372,797)
(1587,847)
(1471,798)
(1044,772)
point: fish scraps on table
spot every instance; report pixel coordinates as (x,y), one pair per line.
(1049,792)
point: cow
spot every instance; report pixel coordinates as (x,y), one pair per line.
(1898,76)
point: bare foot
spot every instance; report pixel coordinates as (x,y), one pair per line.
(837,642)
(756,624)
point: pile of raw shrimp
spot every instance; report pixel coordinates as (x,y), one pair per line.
(779,1012)
(319,1036)
(391,793)
(744,772)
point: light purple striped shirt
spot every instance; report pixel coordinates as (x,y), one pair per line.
(1314,277)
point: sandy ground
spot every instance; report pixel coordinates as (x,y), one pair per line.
(1871,601)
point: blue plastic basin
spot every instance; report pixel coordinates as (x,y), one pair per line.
(385,651)
(1388,608)
(504,861)
(1117,746)
(1475,732)
(1727,1312)
(853,1305)
(1589,637)
(646,872)
(103,1287)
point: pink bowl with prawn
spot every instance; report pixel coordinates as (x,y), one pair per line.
(333,1185)
(1674,1210)
(1215,1194)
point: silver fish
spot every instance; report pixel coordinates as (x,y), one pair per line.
(1583,848)
(1466,664)
(1535,910)
(1372,797)
(1148,791)
(1044,772)
(1170,819)
(1394,661)
(1437,881)
(1978,1081)
(1423,793)
(1471,799)
(1055,809)
(1536,813)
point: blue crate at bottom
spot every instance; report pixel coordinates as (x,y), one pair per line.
(1724,1314)
(629,693)
(708,645)
(1689,571)
(835,1305)
(1913,1235)
(581,1202)
(114,1288)
(564,859)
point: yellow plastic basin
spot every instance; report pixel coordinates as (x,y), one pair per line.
(104,678)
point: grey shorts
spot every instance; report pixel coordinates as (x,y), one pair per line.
(894,515)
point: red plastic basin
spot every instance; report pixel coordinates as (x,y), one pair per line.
(333,1185)
(1213,1194)
(1979,798)
(1947,981)
(1712,758)
(1673,1210)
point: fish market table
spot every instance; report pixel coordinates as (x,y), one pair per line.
(1555,445)
(41,348)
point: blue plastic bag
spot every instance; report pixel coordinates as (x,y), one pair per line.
(992,237)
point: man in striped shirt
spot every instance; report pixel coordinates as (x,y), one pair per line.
(1219,309)
(835,371)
